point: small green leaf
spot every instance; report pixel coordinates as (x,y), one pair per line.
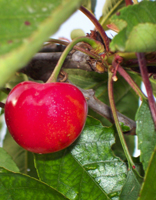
(25,26)
(145,130)
(148,188)
(132,186)
(137,26)
(18,186)
(110,8)
(88,169)
(7,162)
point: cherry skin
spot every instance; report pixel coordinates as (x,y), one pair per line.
(45,117)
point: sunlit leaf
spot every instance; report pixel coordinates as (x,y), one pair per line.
(110,7)
(88,169)
(25,25)
(137,25)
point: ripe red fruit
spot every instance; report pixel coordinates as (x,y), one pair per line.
(45,118)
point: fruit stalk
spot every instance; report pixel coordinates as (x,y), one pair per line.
(94,44)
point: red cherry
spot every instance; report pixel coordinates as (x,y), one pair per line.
(45,117)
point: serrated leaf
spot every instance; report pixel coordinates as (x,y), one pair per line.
(137,26)
(25,25)
(18,186)
(145,130)
(110,8)
(148,188)
(88,169)
(132,186)
(7,162)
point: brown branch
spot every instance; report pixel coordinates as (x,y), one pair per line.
(42,64)
(105,110)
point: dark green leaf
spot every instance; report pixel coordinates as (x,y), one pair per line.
(137,25)
(25,25)
(149,186)
(17,186)
(110,8)
(117,148)
(146,133)
(88,169)
(132,186)
(7,162)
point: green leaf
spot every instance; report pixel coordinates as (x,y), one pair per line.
(110,8)
(23,159)
(18,186)
(146,133)
(149,187)
(90,4)
(88,169)
(7,162)
(117,147)
(25,26)
(132,186)
(137,26)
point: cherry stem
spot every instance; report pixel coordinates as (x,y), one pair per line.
(97,25)
(91,54)
(91,42)
(146,81)
(117,124)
